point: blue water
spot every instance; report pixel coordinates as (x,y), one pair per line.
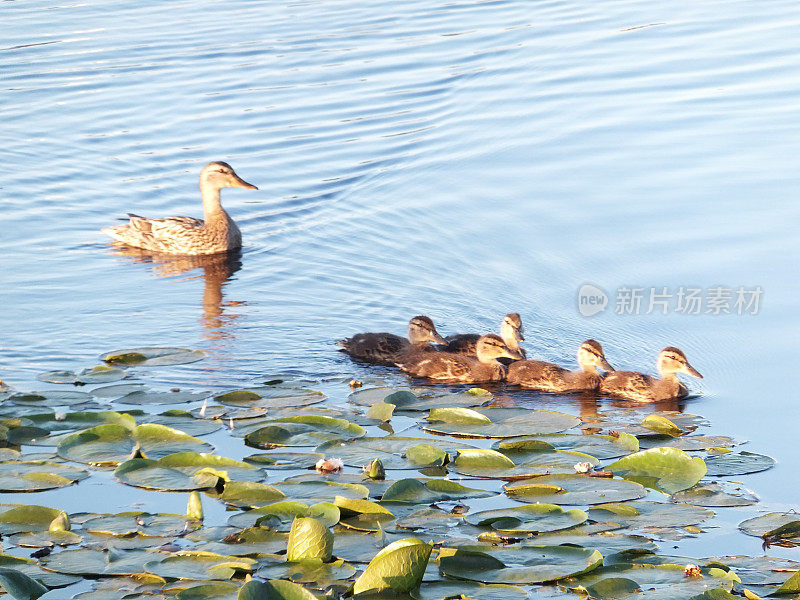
(455,159)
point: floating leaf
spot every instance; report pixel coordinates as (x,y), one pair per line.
(250,494)
(574,489)
(200,565)
(16,518)
(715,494)
(395,452)
(667,469)
(490,463)
(309,539)
(36,476)
(415,491)
(285,460)
(303,430)
(779,526)
(517,565)
(497,422)
(270,398)
(111,444)
(602,447)
(417,398)
(740,463)
(137,522)
(441,590)
(152,356)
(645,513)
(274,590)
(398,567)
(19,586)
(84,561)
(273,515)
(184,471)
(661,425)
(531,518)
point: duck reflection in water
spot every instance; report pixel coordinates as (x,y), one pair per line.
(215,269)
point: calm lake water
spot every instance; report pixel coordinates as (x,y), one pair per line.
(455,159)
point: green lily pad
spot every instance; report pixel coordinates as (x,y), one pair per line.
(528,519)
(417,398)
(758,570)
(602,447)
(250,494)
(574,489)
(83,561)
(304,430)
(274,590)
(431,520)
(152,357)
(184,471)
(283,513)
(19,586)
(111,444)
(41,539)
(667,469)
(36,476)
(482,462)
(689,443)
(517,565)
(662,425)
(253,541)
(200,566)
(739,463)
(285,460)
(716,494)
(451,590)
(218,590)
(51,399)
(98,374)
(784,525)
(318,489)
(398,567)
(17,518)
(262,398)
(605,542)
(309,539)
(129,523)
(179,419)
(415,491)
(317,574)
(496,422)
(645,513)
(148,397)
(395,452)
(673,582)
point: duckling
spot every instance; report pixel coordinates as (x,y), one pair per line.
(186,235)
(387,348)
(539,375)
(645,388)
(460,367)
(511,330)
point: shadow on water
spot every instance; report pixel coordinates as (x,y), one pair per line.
(216,270)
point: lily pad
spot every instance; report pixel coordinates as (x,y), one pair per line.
(84,561)
(645,513)
(36,476)
(200,566)
(184,471)
(17,518)
(304,430)
(19,586)
(398,567)
(574,489)
(417,398)
(283,513)
(482,462)
(250,494)
(497,422)
(784,525)
(739,463)
(667,469)
(253,541)
(517,565)
(98,374)
(602,447)
(286,398)
(111,444)
(285,460)
(450,590)
(319,575)
(717,494)
(528,519)
(395,452)
(152,357)
(129,523)
(146,397)
(274,590)
(415,491)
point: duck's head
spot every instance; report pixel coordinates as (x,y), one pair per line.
(218,174)
(511,330)
(492,346)
(421,329)
(591,357)
(671,361)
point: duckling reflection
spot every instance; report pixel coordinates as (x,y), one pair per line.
(548,377)
(462,368)
(511,330)
(217,270)
(646,388)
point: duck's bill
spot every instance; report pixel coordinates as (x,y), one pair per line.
(513,354)
(603,364)
(518,335)
(690,370)
(437,339)
(237,181)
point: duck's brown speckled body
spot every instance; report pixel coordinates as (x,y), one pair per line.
(639,387)
(186,235)
(549,377)
(388,348)
(511,331)
(462,368)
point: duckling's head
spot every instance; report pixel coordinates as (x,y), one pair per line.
(511,330)
(671,361)
(492,346)
(421,329)
(591,357)
(218,174)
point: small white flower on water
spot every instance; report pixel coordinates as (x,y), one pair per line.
(60,416)
(583,467)
(203,408)
(230,423)
(329,465)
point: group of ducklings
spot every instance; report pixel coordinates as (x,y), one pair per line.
(472,358)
